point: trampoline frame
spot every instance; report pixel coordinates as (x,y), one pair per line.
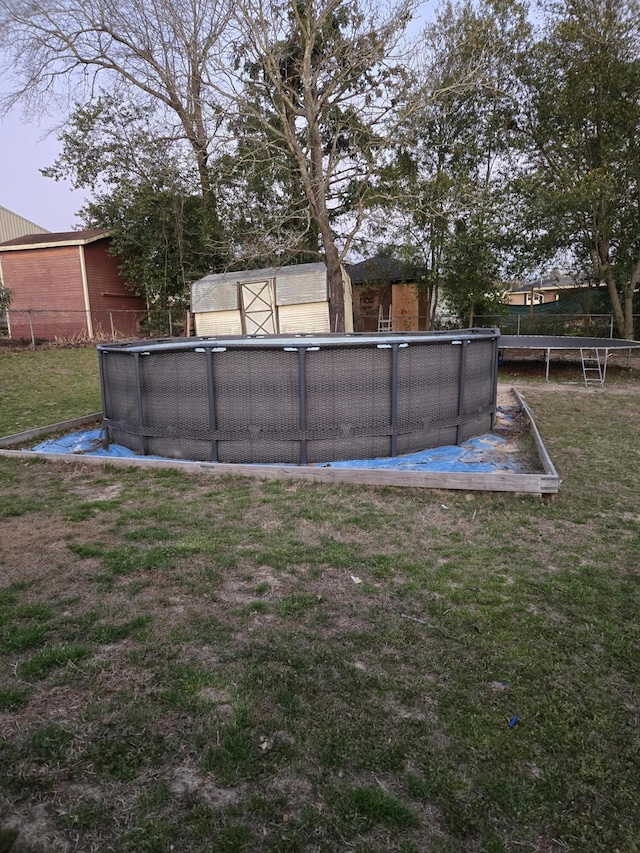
(547,343)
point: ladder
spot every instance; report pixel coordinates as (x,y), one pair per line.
(594,369)
(385,324)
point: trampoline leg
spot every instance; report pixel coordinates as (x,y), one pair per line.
(547,359)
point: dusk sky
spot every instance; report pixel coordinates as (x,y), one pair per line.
(25,148)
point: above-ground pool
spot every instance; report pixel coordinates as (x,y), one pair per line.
(299,399)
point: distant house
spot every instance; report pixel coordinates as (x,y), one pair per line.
(542,291)
(276,300)
(12,225)
(385,296)
(67,284)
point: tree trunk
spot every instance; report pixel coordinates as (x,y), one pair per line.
(336,286)
(321,216)
(627,332)
(623,315)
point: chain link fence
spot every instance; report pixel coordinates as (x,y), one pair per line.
(574,325)
(34,325)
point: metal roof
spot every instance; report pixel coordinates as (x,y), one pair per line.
(12,225)
(257,275)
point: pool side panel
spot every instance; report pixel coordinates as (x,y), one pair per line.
(295,401)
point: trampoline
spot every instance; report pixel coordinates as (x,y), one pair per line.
(594,352)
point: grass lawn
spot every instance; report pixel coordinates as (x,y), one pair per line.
(46,386)
(187,664)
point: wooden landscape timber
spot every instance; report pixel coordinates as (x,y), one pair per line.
(545,483)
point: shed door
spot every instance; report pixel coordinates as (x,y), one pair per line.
(258,307)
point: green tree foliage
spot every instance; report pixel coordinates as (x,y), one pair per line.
(580,134)
(143,194)
(471,277)
(449,180)
(261,202)
(5,297)
(155,230)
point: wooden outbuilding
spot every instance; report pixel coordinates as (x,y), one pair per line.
(386,296)
(66,285)
(275,300)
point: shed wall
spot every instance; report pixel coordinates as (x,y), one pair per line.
(301,287)
(348,301)
(218,323)
(405,308)
(310,317)
(214,294)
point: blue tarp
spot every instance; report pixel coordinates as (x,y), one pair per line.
(483,453)
(88,443)
(477,454)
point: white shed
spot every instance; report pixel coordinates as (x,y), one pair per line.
(276,300)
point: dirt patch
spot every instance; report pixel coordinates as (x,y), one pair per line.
(106,493)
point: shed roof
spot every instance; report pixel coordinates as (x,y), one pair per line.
(233,277)
(381,268)
(49,240)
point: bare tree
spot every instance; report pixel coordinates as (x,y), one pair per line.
(164,51)
(325,85)
(320,85)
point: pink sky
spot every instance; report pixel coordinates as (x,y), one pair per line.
(24,149)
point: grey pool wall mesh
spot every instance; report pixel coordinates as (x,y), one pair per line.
(301,399)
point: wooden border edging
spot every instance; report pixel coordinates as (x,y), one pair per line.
(62,426)
(546,483)
(547,464)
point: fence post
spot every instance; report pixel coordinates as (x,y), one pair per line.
(33,340)
(113,334)
(170,325)
(518,324)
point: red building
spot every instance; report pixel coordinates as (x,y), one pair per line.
(67,285)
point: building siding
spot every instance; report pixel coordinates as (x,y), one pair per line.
(12,226)
(218,323)
(43,280)
(113,306)
(49,298)
(310,317)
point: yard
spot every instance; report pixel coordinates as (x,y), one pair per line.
(193,664)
